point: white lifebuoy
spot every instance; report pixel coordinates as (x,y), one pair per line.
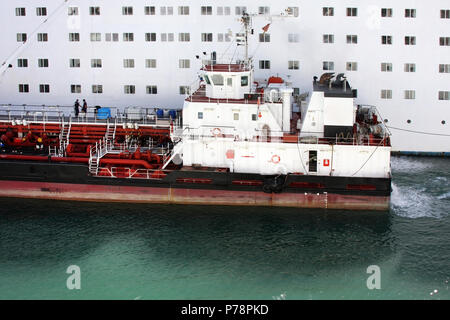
(216,132)
(276,159)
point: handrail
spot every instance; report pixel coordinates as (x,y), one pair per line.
(46,114)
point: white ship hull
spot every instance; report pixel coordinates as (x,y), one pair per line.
(419,125)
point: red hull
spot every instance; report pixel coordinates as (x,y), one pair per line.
(112,193)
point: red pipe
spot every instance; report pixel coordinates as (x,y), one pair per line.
(127,162)
(43,158)
(143,163)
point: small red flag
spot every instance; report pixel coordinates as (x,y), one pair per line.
(266,27)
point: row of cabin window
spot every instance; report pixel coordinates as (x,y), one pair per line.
(385,39)
(98,89)
(207,10)
(131,89)
(184,10)
(151,10)
(263,64)
(208,37)
(411,94)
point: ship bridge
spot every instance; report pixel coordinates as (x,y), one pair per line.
(227,81)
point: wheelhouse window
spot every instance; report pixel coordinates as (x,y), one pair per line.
(217,79)
(244,81)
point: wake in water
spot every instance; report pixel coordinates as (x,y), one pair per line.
(414,203)
(420,187)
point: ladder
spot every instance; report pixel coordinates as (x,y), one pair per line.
(111,131)
(64,137)
(98,151)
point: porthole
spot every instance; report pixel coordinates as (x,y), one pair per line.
(386,120)
(443,121)
(408,121)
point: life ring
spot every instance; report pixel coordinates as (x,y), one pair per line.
(276,159)
(216,132)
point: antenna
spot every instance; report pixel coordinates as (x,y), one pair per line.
(246,20)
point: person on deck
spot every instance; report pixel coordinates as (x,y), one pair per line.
(84,109)
(77,108)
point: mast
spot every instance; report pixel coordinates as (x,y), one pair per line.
(246,21)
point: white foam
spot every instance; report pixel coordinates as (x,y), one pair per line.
(414,203)
(445,196)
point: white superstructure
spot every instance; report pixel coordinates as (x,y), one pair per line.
(145,53)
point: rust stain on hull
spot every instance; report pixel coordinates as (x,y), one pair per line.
(108,193)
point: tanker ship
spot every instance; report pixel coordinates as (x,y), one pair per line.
(237,141)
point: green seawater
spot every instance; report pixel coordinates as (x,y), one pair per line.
(135,251)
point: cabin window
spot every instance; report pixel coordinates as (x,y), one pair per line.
(149,11)
(129,89)
(150,63)
(254,117)
(75,88)
(44,88)
(24,88)
(230,82)
(97,88)
(152,90)
(244,81)
(42,11)
(200,115)
(217,79)
(207,79)
(236,116)
(20,12)
(312,161)
(94,11)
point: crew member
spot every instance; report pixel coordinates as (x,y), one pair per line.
(77,108)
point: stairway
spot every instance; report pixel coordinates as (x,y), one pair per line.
(64,137)
(102,147)
(111,131)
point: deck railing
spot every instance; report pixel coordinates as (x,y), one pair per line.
(56,114)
